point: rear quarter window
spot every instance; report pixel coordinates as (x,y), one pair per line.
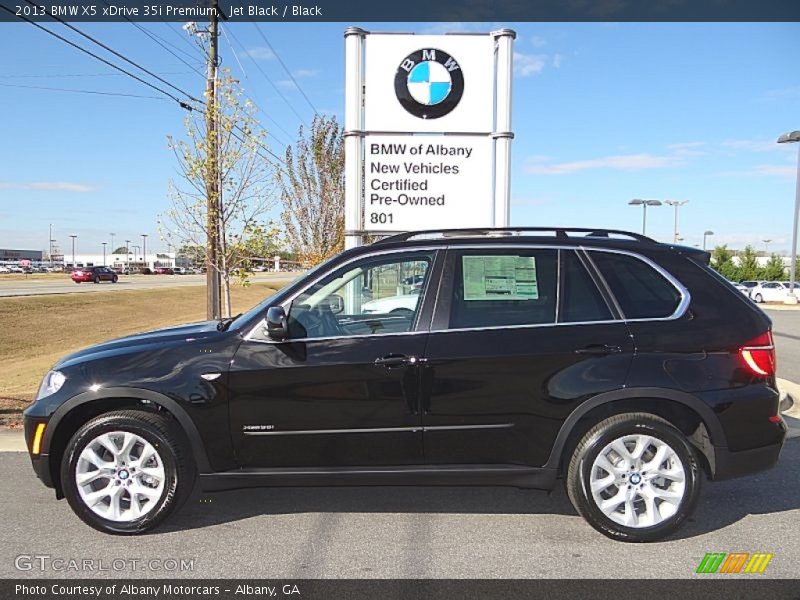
(641,291)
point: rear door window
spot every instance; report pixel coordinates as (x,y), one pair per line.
(500,288)
(641,291)
(581,301)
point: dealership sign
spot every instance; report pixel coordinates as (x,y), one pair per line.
(427,122)
(427,182)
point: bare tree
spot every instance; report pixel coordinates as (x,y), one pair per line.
(246,185)
(312,191)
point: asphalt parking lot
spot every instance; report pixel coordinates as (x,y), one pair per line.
(409,532)
(64,285)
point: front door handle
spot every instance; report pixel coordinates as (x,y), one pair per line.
(394,361)
(599,350)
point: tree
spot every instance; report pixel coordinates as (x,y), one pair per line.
(774,269)
(722,261)
(246,185)
(748,265)
(120,250)
(312,191)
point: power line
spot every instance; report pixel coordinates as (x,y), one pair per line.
(112,51)
(158,40)
(272,83)
(56,89)
(182,37)
(272,120)
(57,75)
(285,68)
(100,58)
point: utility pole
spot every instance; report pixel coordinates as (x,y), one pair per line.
(212,172)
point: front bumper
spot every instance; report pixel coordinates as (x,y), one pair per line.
(41,461)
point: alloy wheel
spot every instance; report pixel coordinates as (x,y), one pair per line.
(638,481)
(120,476)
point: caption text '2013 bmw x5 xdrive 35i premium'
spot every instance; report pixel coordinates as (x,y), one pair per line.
(625,367)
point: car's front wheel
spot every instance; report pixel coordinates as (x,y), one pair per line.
(124,472)
(758,298)
(634,477)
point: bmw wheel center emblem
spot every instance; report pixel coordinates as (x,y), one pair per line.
(429,83)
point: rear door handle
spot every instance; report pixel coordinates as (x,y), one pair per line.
(599,350)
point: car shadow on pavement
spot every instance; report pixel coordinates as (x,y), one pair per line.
(721,503)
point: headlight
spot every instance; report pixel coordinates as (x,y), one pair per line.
(51,383)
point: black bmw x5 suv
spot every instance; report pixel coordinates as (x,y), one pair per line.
(626,368)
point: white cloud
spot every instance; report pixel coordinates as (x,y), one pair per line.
(754,145)
(260,53)
(771,171)
(526,65)
(305,73)
(541,165)
(52,186)
(557,59)
(687,148)
(787,93)
(538,41)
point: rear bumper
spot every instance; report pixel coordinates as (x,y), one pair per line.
(745,462)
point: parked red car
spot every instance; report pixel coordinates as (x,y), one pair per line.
(95,274)
(164,271)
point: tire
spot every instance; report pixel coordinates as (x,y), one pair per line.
(658,505)
(96,279)
(758,298)
(114,279)
(147,497)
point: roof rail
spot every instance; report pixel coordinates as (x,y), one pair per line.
(557,232)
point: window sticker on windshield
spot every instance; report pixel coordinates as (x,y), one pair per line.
(500,278)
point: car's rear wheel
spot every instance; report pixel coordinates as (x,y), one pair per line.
(634,477)
(114,279)
(96,279)
(124,472)
(758,298)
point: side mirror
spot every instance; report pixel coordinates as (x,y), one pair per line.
(277,325)
(336,303)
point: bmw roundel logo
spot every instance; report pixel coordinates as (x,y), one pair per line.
(429,83)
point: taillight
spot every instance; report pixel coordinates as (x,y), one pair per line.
(758,355)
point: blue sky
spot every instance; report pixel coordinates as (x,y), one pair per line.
(603,113)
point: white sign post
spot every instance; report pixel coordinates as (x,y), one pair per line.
(428,131)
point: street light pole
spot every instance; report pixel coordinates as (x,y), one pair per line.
(104,253)
(128,256)
(73,250)
(705,235)
(766,245)
(644,204)
(676,204)
(112,244)
(144,249)
(789,138)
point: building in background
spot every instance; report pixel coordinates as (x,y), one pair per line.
(133,261)
(15,256)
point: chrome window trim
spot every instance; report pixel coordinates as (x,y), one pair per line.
(286,304)
(680,310)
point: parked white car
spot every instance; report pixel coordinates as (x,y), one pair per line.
(4,269)
(403,304)
(770,291)
(747,286)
